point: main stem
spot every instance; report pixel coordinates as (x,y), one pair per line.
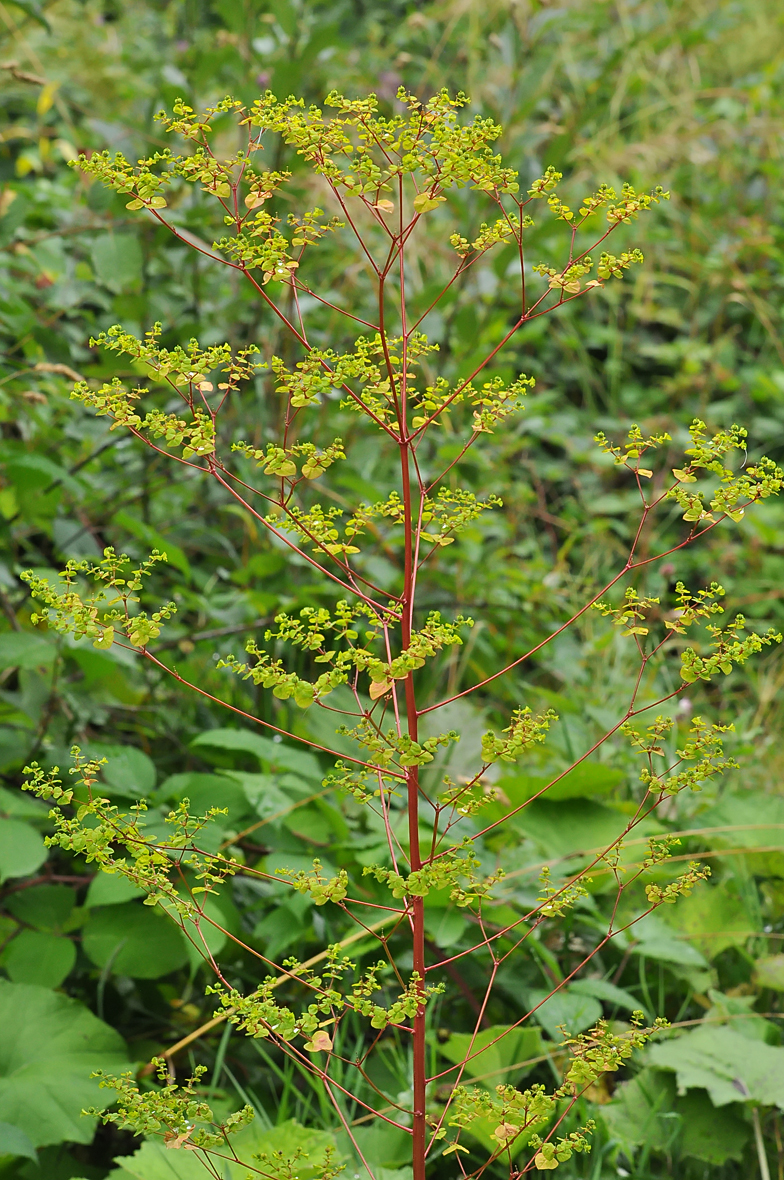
(417,903)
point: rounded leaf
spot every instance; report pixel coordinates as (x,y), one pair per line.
(49,1046)
(133,939)
(37,957)
(22,849)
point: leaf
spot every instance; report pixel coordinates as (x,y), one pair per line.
(729,1066)
(289,1138)
(320,1042)
(646,1111)
(708,1137)
(276,754)
(601,989)
(128,771)
(496,1049)
(25,649)
(38,957)
(154,540)
(423,202)
(44,907)
(713,918)
(639,1109)
(22,849)
(769,972)
(117,261)
(32,9)
(210,790)
(378,688)
(13,1141)
(566,1007)
(134,940)
(654,939)
(153,1162)
(49,1045)
(111,889)
(587,781)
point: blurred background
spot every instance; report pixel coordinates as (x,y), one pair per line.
(686,94)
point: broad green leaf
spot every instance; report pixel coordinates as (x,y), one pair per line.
(20,805)
(135,940)
(25,649)
(44,907)
(154,540)
(289,1138)
(117,261)
(708,1136)
(205,791)
(13,1141)
(769,972)
(29,471)
(587,781)
(22,849)
(128,771)
(444,924)
(38,957)
(111,889)
(276,754)
(749,819)
(49,1045)
(655,939)
(32,9)
(601,989)
(153,1161)
(640,1112)
(731,1067)
(646,1111)
(580,828)
(713,918)
(496,1050)
(571,1009)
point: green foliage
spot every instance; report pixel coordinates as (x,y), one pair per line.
(667,348)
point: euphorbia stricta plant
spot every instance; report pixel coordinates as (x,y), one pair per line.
(388,180)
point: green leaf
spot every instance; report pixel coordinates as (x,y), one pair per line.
(22,849)
(41,958)
(32,9)
(577,1012)
(49,1045)
(44,907)
(654,939)
(731,1067)
(13,1141)
(769,972)
(423,202)
(208,790)
(646,1111)
(117,261)
(497,1049)
(153,1161)
(111,889)
(135,940)
(154,540)
(707,1136)
(713,918)
(128,771)
(640,1112)
(587,781)
(276,754)
(601,989)
(25,649)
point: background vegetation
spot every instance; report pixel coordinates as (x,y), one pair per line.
(688,95)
